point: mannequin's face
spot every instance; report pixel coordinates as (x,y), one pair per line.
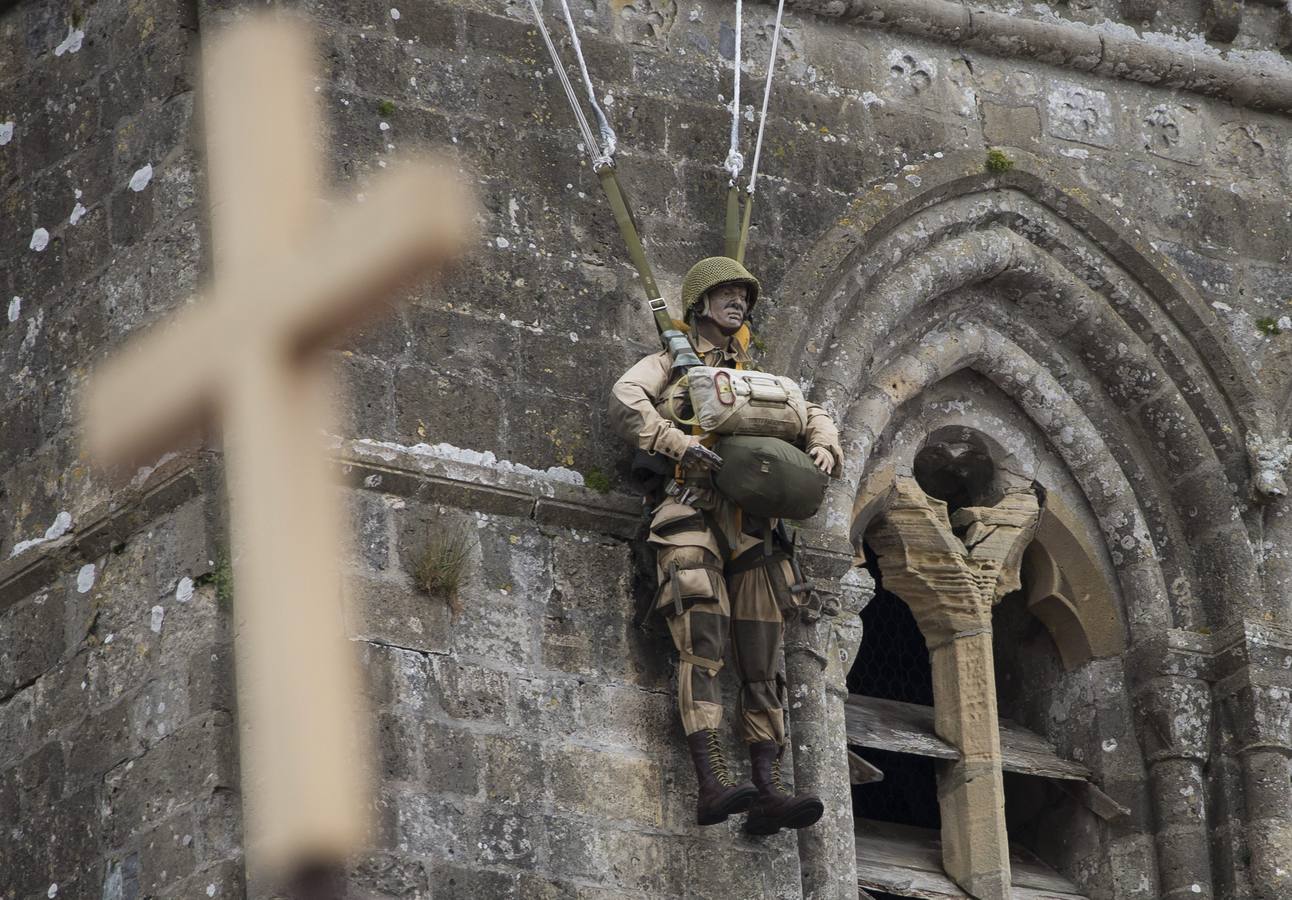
(727,306)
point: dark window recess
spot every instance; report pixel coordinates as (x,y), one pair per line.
(893,663)
(908,795)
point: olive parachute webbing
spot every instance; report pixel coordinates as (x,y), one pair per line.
(675,341)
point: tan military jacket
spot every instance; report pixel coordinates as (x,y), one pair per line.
(634,417)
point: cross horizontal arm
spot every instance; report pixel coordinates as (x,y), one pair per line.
(414,219)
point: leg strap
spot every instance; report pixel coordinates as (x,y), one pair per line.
(713,666)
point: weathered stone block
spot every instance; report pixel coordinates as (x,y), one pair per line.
(196,761)
(384,875)
(1012,126)
(516,770)
(426,825)
(223,880)
(1172,131)
(607,784)
(367,390)
(509,838)
(715,870)
(626,716)
(435,409)
(454,882)
(398,614)
(452,759)
(398,743)
(32,641)
(103,741)
(454,344)
(547,706)
(467,691)
(166,854)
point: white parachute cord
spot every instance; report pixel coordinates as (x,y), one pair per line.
(589,141)
(608,138)
(735,162)
(767,92)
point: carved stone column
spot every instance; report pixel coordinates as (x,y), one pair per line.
(819,650)
(1174,718)
(951,583)
(1256,705)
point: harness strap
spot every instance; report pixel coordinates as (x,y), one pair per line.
(754,558)
(718,536)
(714,666)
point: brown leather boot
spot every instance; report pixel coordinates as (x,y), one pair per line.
(719,795)
(776,807)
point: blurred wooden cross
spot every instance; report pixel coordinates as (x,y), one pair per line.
(289,277)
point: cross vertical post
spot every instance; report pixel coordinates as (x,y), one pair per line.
(288,277)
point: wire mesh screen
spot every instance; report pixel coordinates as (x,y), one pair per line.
(893,663)
(908,795)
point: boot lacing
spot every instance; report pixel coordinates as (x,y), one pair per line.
(776,777)
(717,762)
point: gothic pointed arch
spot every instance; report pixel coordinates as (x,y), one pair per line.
(1026,277)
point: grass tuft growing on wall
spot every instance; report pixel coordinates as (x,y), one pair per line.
(440,569)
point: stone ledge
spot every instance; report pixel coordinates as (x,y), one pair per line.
(404,473)
(166,488)
(494,489)
(1072,45)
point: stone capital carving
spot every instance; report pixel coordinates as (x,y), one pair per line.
(1269,458)
(951,571)
(1174,717)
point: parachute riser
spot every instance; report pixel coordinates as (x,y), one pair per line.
(675,342)
(731,234)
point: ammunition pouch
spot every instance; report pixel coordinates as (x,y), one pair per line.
(740,401)
(735,401)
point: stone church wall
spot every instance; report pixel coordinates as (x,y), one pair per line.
(527,742)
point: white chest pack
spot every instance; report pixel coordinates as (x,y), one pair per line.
(734,401)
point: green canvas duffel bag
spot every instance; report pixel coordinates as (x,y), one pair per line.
(769,478)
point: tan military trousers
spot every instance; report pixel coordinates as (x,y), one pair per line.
(707,610)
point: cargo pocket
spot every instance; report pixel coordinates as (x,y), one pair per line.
(688,582)
(672,519)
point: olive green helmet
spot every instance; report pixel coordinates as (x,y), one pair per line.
(708,274)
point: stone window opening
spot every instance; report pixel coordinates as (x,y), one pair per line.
(959,509)
(894,666)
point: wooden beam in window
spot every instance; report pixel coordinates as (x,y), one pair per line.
(908,728)
(907,862)
(894,726)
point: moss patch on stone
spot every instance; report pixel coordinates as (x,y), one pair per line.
(998,162)
(596,480)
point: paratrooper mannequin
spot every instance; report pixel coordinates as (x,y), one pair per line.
(725,577)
